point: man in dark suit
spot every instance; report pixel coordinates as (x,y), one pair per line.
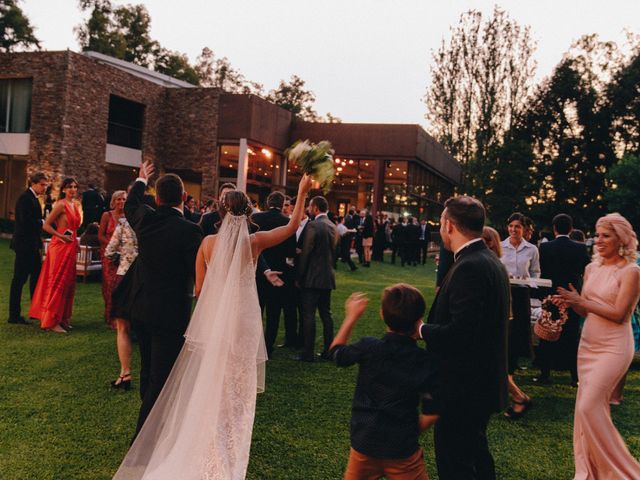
(411,241)
(209,220)
(563,261)
(316,277)
(93,205)
(424,239)
(466,331)
(275,299)
(163,288)
(27,243)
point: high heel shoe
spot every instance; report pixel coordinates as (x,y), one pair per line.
(120,382)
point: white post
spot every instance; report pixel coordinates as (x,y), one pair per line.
(243,165)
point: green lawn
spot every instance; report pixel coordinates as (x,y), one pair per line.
(61,421)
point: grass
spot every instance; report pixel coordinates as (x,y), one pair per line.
(60,420)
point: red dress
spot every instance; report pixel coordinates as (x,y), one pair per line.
(109,270)
(52,300)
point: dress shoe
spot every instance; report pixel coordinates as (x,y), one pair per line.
(303,358)
(19,321)
(324,356)
(542,380)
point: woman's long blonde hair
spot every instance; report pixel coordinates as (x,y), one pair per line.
(624,231)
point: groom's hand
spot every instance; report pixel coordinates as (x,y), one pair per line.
(147,169)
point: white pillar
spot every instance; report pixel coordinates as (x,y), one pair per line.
(243,165)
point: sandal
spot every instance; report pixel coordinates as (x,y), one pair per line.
(120,382)
(511,414)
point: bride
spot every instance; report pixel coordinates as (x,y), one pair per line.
(200,426)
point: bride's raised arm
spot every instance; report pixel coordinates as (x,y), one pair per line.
(264,240)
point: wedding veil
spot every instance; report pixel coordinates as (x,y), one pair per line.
(201,424)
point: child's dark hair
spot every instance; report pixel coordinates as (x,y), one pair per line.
(402,306)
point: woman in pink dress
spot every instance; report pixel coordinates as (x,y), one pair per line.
(108,224)
(53,298)
(610,292)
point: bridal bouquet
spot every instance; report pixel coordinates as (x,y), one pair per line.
(549,326)
(314,159)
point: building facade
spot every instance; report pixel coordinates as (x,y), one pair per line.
(95,118)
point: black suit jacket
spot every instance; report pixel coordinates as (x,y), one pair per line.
(467,331)
(93,205)
(28,229)
(315,262)
(162,286)
(367,227)
(276,256)
(563,261)
(412,233)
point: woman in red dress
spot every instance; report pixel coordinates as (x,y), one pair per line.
(53,298)
(108,224)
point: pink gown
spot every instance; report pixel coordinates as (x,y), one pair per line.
(605,353)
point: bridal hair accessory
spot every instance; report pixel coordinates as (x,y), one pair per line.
(237,203)
(314,159)
(549,325)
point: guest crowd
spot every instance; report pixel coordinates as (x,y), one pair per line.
(296,278)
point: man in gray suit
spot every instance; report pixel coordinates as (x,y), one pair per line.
(316,277)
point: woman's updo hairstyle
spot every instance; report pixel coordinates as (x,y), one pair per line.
(237,203)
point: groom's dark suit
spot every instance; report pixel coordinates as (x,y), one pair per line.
(162,289)
(467,332)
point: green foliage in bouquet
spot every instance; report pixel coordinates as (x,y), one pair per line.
(314,159)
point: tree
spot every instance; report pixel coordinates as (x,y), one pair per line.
(568,127)
(622,194)
(623,97)
(218,72)
(480,81)
(15,29)
(176,65)
(122,32)
(294,97)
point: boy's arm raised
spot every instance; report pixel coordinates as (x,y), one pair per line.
(354,307)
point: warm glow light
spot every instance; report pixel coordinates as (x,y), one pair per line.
(390,174)
(339,169)
(225,152)
(266,153)
(250,151)
(350,162)
(366,164)
(337,160)
(230,166)
(397,169)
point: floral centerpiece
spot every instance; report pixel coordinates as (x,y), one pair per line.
(549,326)
(314,159)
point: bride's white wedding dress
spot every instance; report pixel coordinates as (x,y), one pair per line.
(200,427)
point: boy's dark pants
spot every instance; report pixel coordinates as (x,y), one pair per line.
(462,451)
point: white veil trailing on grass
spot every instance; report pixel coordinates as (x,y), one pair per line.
(200,427)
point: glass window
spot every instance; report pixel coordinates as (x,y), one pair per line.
(15,105)
(125,123)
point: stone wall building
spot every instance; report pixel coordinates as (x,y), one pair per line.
(95,118)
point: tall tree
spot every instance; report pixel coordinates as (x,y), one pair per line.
(218,72)
(480,81)
(15,28)
(121,32)
(568,126)
(176,65)
(293,96)
(622,194)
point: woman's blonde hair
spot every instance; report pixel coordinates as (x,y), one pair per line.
(117,194)
(489,233)
(624,231)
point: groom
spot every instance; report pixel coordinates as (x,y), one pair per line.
(467,332)
(163,286)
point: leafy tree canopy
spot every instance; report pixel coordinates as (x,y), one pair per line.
(16,31)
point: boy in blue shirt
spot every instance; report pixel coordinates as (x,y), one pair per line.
(394,377)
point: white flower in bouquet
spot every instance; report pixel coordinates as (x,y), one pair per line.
(314,159)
